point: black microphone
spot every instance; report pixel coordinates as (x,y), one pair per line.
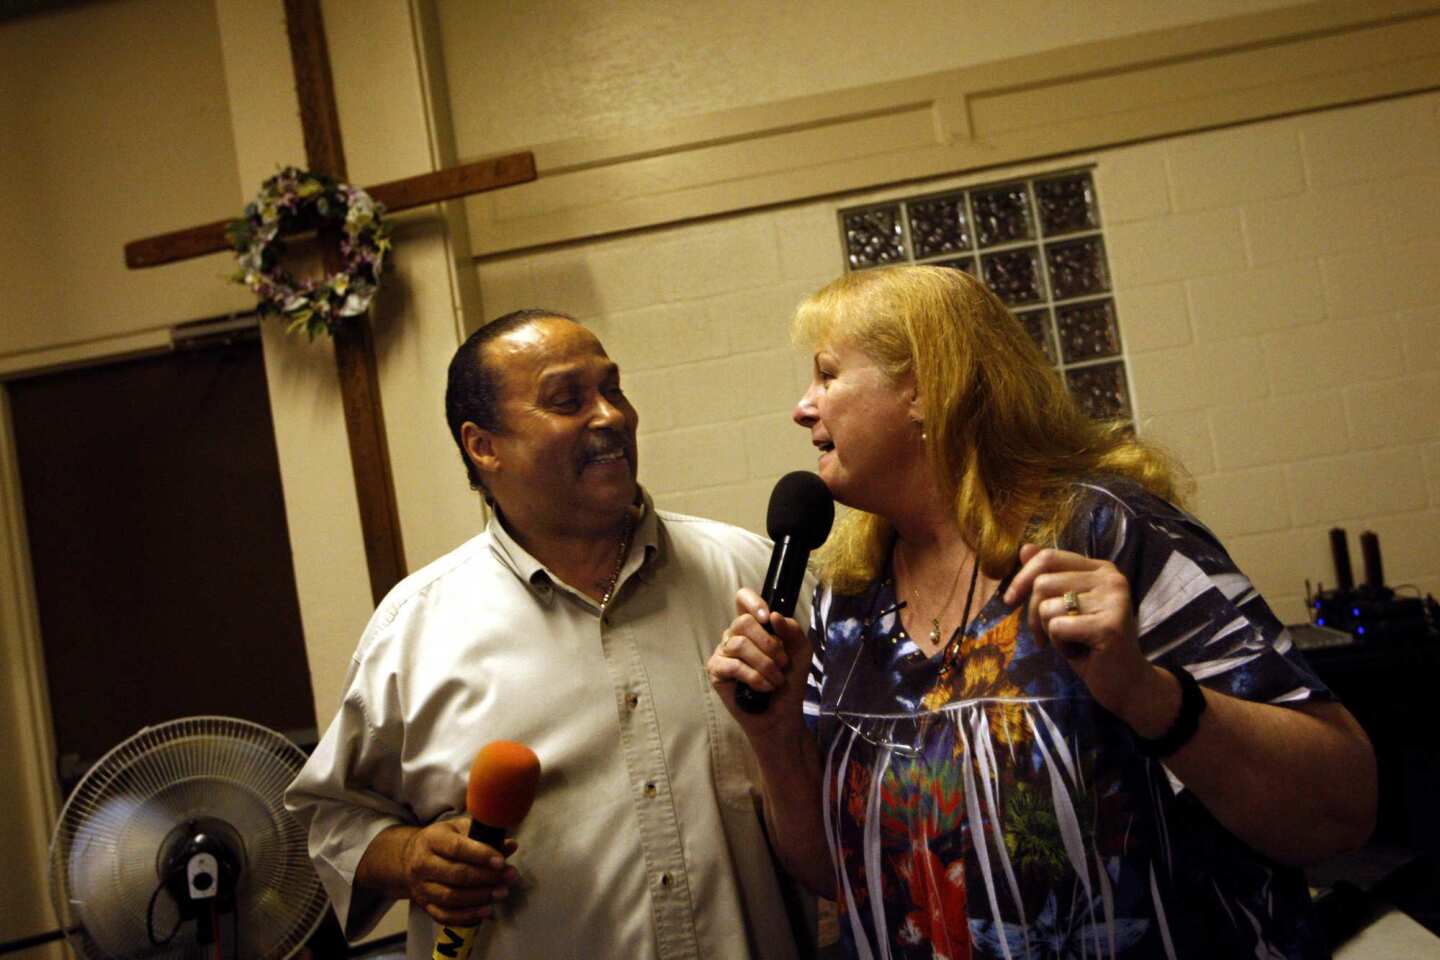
(798,520)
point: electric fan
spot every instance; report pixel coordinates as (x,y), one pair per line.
(177,845)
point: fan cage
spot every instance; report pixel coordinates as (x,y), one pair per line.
(104,857)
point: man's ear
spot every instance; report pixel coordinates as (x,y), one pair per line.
(479,448)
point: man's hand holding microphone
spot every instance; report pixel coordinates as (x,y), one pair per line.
(453,878)
(458,872)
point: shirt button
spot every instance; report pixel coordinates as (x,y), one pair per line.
(666,880)
(650,790)
(632,700)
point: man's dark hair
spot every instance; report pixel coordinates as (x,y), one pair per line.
(472,388)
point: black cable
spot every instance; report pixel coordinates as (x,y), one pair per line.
(150,920)
(34,940)
(379,944)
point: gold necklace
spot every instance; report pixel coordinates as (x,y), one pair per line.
(935,620)
(619,560)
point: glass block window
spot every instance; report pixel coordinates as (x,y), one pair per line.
(1038,244)
(874,237)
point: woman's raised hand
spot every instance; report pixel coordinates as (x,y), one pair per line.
(1083,606)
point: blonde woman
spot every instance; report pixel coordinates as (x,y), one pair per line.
(1039,712)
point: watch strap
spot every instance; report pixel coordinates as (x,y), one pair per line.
(1186,722)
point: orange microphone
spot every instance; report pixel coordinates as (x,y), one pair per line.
(502,786)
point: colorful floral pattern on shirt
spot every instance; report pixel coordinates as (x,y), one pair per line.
(981,804)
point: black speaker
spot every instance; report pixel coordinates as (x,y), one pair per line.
(1370,611)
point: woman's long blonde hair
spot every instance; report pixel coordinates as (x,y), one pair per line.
(1005,438)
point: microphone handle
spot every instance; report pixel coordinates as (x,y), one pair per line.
(780,593)
(488,835)
(454,943)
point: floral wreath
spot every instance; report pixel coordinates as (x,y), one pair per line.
(293,201)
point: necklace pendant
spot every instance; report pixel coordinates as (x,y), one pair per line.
(935,630)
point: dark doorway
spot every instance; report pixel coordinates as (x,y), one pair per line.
(159,545)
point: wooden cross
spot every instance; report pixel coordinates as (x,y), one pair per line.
(354,347)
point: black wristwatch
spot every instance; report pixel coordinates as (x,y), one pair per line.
(1186,722)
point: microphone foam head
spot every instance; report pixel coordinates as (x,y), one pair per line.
(800,508)
(502,785)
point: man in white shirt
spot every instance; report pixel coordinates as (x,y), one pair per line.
(577,623)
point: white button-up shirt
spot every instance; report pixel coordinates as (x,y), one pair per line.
(644,839)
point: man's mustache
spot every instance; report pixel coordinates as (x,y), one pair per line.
(604,444)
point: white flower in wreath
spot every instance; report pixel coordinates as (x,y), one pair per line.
(355,304)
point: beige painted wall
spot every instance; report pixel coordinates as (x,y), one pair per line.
(548,70)
(115,126)
(1278,306)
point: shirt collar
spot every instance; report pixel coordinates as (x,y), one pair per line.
(533,573)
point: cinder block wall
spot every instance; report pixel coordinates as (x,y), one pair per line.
(1279,305)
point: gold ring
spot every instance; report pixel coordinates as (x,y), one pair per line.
(1072,602)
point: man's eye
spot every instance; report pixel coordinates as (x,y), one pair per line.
(566,402)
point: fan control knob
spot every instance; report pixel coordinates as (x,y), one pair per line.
(202,872)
